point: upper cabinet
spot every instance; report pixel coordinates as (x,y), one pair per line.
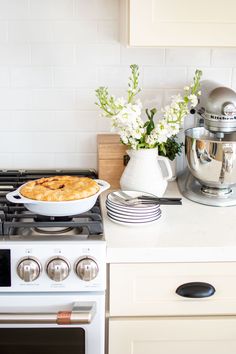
(179,23)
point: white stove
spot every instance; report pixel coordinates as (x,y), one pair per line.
(52,276)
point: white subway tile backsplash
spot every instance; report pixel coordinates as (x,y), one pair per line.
(114,76)
(107,9)
(188,56)
(33,142)
(221,75)
(33,161)
(6,121)
(104,54)
(4,77)
(29,31)
(6,161)
(55,53)
(51,9)
(56,142)
(14,9)
(85,99)
(3,31)
(34,121)
(99,9)
(103,124)
(74,76)
(15,99)
(85,9)
(108,31)
(143,56)
(7,143)
(234,79)
(52,54)
(14,54)
(53,99)
(75,31)
(86,142)
(152,98)
(35,77)
(155,77)
(78,121)
(76,161)
(224,57)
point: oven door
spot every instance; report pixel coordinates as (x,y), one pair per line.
(52,324)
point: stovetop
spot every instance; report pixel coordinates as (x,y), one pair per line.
(17,222)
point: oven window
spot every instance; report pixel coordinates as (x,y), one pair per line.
(42,341)
(5,268)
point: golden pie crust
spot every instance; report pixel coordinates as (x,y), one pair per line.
(60,188)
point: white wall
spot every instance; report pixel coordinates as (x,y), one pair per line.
(54,53)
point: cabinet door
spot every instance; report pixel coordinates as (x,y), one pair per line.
(150,289)
(180,22)
(173,336)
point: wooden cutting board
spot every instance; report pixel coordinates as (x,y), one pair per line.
(112,157)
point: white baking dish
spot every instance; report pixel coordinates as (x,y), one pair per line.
(65,208)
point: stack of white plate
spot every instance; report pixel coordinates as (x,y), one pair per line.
(140,214)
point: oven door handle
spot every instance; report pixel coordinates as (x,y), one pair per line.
(81,313)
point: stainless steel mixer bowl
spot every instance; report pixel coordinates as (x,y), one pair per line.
(210,160)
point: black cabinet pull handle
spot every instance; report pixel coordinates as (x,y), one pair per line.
(196,290)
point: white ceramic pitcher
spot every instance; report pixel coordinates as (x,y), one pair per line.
(143,172)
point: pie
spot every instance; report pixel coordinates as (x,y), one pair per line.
(60,188)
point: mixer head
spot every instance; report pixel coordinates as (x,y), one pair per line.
(217,106)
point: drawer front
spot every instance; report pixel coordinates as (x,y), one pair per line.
(173,336)
(150,289)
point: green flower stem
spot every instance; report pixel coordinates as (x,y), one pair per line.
(106,102)
(133,88)
(196,82)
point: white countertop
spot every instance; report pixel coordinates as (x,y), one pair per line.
(188,233)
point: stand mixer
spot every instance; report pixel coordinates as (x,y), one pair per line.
(210,148)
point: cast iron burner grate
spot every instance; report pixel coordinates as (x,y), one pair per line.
(16,220)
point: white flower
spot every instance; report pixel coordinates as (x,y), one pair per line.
(126,114)
(120,101)
(193,99)
(177,98)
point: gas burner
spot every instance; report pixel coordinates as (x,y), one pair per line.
(52,230)
(44,218)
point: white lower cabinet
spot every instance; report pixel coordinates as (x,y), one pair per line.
(147,315)
(197,335)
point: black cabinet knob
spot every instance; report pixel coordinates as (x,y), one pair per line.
(196,290)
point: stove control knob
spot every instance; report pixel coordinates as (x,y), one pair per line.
(29,269)
(86,269)
(58,268)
